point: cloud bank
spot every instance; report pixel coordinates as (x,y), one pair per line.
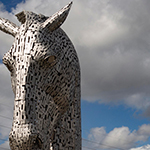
(146,147)
(118,138)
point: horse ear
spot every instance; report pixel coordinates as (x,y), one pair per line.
(56,20)
(21,17)
(8,27)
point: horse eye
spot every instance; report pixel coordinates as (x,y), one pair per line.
(51,59)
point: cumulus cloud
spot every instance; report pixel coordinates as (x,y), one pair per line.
(145,147)
(6,103)
(114,52)
(117,62)
(5,145)
(118,138)
(5,88)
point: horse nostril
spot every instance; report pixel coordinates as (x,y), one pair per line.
(37,142)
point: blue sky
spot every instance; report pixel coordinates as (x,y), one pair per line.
(109,116)
(10,4)
(114,51)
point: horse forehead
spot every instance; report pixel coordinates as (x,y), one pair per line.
(27,42)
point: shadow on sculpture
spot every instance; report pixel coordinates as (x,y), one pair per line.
(45,77)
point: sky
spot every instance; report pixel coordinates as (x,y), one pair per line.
(112,39)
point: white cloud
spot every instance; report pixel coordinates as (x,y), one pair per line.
(114,52)
(118,138)
(5,145)
(46,7)
(145,147)
(6,102)
(5,88)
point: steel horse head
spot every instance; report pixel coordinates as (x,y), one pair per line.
(45,77)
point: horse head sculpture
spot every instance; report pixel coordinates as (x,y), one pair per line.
(45,77)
